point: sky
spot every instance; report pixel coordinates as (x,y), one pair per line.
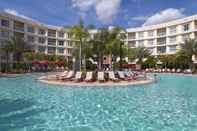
(101,13)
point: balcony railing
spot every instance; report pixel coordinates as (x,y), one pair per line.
(161,34)
(161,43)
(19,29)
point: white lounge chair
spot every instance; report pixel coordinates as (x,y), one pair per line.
(100,76)
(89,76)
(121,75)
(69,75)
(112,76)
(78,76)
(62,74)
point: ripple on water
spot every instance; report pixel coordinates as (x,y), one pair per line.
(169,105)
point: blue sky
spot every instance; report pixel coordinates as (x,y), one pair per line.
(125,13)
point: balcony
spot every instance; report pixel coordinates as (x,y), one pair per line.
(18,26)
(51,33)
(161,50)
(5,23)
(52,42)
(161,32)
(131,36)
(161,41)
(132,44)
(51,50)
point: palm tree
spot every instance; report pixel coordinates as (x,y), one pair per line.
(99,45)
(7,48)
(139,53)
(189,48)
(80,33)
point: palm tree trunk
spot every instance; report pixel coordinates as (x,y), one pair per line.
(7,61)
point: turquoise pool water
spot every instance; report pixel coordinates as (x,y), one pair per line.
(169,105)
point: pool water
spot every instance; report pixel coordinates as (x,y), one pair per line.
(28,105)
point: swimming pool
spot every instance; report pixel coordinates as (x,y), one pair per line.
(28,105)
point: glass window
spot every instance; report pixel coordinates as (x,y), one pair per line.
(186,27)
(61,34)
(172,39)
(141,43)
(61,43)
(150,42)
(5,34)
(41,49)
(51,50)
(41,32)
(141,34)
(41,40)
(150,33)
(185,37)
(5,23)
(61,50)
(30,38)
(172,29)
(172,48)
(30,29)
(51,41)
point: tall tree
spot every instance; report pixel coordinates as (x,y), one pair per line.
(189,48)
(80,34)
(7,48)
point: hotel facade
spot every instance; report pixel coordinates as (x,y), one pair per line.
(165,38)
(160,39)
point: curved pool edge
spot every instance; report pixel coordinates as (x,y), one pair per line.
(44,79)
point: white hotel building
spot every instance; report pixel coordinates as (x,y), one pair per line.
(44,38)
(165,38)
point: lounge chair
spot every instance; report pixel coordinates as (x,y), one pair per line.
(78,76)
(89,76)
(188,71)
(69,75)
(112,76)
(178,71)
(62,74)
(100,76)
(122,76)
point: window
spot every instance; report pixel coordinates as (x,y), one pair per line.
(30,29)
(5,34)
(141,34)
(61,50)
(41,49)
(185,37)
(172,48)
(172,30)
(150,33)
(51,50)
(141,43)
(61,43)
(41,32)
(151,50)
(52,33)
(41,40)
(150,42)
(51,41)
(30,38)
(61,34)
(186,27)
(5,23)
(172,39)
(161,50)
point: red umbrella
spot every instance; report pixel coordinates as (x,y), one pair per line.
(44,62)
(60,62)
(35,62)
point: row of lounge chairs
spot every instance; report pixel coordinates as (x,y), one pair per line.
(101,76)
(187,71)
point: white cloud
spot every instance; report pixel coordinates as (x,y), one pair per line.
(106,10)
(14,12)
(164,16)
(140,18)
